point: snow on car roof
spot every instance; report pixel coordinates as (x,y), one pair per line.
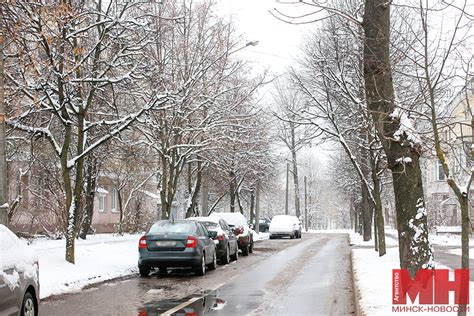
(285,218)
(205,219)
(235,219)
(13,251)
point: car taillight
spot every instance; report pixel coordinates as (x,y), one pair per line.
(191,242)
(191,314)
(142,242)
(142,313)
(220,237)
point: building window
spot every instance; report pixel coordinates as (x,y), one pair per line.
(114,200)
(101,202)
(439,172)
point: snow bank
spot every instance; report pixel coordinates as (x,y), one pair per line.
(260,236)
(373,274)
(373,280)
(99,258)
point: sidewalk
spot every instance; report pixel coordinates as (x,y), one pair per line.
(99,258)
(373,274)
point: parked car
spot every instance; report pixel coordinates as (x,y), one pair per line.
(226,242)
(264,225)
(238,224)
(177,243)
(19,276)
(285,226)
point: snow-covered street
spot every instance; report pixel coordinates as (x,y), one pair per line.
(282,277)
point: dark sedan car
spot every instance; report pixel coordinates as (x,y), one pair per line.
(226,242)
(180,243)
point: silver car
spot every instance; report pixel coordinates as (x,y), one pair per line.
(19,278)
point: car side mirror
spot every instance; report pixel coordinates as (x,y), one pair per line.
(212,234)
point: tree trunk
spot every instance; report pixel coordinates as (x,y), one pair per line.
(287,187)
(205,194)
(465,225)
(232,191)
(414,253)
(257,209)
(252,206)
(296,184)
(306,205)
(3,160)
(164,209)
(366,215)
(191,210)
(376,239)
(90,195)
(120,205)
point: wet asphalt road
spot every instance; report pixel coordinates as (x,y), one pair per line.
(308,276)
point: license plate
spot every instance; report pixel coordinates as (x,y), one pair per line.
(165,243)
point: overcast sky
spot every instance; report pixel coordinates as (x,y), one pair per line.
(278,41)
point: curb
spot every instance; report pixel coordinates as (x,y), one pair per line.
(356,291)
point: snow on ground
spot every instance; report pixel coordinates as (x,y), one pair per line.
(260,236)
(99,258)
(458,252)
(447,240)
(373,279)
(373,274)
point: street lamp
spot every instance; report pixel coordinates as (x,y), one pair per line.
(252,43)
(249,43)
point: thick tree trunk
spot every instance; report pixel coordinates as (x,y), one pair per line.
(3,161)
(367,215)
(376,239)
(164,208)
(252,206)
(465,224)
(191,210)
(90,195)
(414,249)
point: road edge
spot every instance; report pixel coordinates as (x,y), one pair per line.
(356,290)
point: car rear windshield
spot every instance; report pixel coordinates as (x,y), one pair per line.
(210,225)
(170,227)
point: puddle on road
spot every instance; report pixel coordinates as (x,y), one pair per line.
(200,306)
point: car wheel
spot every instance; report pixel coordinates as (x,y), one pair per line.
(235,256)
(144,272)
(245,250)
(28,307)
(271,237)
(213,264)
(201,269)
(226,258)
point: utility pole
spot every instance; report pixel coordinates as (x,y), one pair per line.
(3,159)
(305,206)
(287,179)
